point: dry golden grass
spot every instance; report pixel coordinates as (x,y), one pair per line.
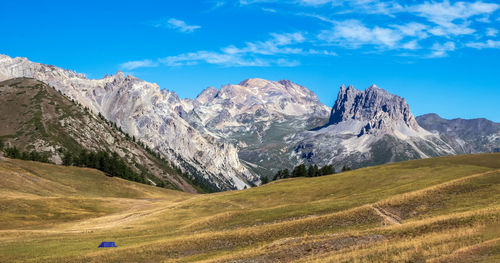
(437,209)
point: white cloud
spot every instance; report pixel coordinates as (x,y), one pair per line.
(321,52)
(176,24)
(449,24)
(278,44)
(441,50)
(358,6)
(452,30)
(491,32)
(411,45)
(413,29)
(353,34)
(253,54)
(488,44)
(211,57)
(484,19)
(445,13)
(270,10)
(130,65)
(451,19)
(317,2)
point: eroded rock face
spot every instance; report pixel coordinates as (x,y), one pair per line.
(375,106)
(254,100)
(258,115)
(151,115)
(365,128)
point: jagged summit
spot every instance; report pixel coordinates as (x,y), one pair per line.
(375,107)
(365,128)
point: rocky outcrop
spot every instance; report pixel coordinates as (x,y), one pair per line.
(143,110)
(377,107)
(366,128)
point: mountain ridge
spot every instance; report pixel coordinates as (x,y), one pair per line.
(154,120)
(232,135)
(37,118)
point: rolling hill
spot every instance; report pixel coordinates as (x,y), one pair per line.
(443,209)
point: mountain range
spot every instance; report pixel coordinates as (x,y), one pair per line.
(230,137)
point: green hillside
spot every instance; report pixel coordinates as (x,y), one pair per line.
(443,209)
(36,117)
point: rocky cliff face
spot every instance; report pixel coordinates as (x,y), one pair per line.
(467,136)
(257,115)
(148,113)
(375,106)
(365,128)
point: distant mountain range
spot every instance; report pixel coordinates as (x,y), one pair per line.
(231,136)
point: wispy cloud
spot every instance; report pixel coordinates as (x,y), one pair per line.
(176,24)
(270,10)
(491,32)
(354,34)
(278,44)
(441,50)
(452,19)
(444,13)
(253,54)
(131,65)
(488,44)
(426,29)
(211,57)
(272,52)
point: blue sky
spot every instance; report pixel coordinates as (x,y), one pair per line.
(442,56)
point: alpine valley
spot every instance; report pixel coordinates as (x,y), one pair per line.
(227,138)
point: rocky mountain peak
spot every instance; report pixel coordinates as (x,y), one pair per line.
(254,83)
(207,95)
(375,107)
(286,82)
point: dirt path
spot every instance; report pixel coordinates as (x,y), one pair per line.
(388,217)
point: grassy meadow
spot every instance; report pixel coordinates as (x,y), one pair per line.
(443,209)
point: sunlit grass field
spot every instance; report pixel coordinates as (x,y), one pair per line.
(443,209)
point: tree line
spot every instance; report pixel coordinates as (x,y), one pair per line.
(14,153)
(110,164)
(302,171)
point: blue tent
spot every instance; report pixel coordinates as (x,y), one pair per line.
(107,244)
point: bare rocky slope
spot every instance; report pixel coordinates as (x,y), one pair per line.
(36,117)
(142,110)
